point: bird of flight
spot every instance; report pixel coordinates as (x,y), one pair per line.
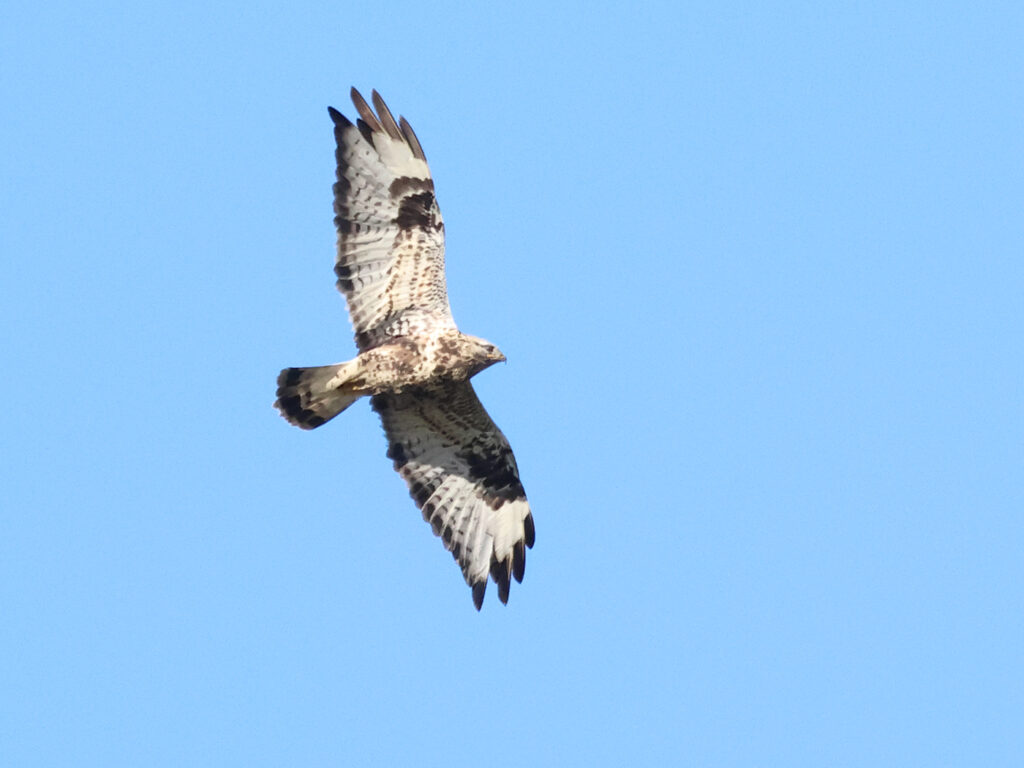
(413,363)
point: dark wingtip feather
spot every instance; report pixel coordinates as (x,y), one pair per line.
(411,139)
(478,593)
(519,562)
(386,118)
(366,131)
(364,111)
(528,530)
(499,572)
(339,119)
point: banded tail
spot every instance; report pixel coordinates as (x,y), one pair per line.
(309,397)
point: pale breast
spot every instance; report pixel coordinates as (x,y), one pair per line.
(411,361)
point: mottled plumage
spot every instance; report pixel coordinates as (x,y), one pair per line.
(413,361)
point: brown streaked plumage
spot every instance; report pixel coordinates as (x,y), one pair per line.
(413,361)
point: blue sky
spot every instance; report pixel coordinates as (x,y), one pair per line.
(757,271)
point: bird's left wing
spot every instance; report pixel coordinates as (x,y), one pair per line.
(462,475)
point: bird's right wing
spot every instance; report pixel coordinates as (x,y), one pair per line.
(390,262)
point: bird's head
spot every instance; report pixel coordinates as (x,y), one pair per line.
(484,353)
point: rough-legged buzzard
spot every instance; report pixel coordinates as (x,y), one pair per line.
(413,361)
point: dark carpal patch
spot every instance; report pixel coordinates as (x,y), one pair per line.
(404,184)
(495,470)
(416,212)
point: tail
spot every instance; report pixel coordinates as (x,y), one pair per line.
(309,397)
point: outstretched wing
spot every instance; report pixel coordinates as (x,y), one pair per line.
(462,475)
(390,263)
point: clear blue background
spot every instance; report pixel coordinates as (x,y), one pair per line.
(757,269)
